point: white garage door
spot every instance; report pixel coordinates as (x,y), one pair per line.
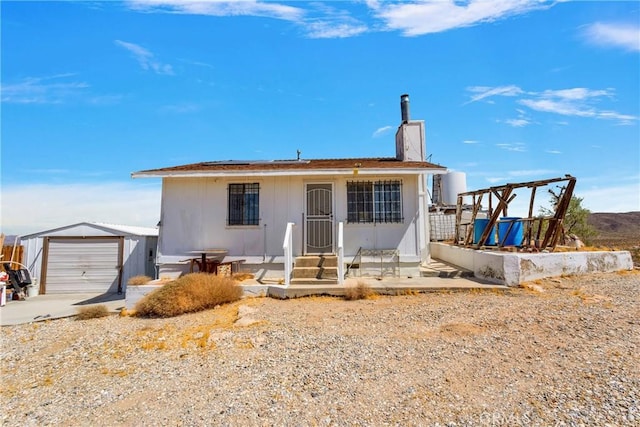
(82,265)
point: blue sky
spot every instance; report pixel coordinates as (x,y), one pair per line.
(511,91)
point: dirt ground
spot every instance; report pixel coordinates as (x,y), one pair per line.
(561,351)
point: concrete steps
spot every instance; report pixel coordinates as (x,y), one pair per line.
(317,261)
(315,270)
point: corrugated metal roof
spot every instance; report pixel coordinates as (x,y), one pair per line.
(129,229)
(294,166)
(116,229)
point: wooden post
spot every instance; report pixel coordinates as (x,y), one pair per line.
(458,220)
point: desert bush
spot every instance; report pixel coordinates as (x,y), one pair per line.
(360,291)
(187,294)
(139,280)
(92,312)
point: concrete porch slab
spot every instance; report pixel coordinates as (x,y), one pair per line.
(386,286)
(439,268)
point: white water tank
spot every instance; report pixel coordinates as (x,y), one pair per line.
(452,184)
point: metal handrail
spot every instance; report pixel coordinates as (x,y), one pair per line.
(287,246)
(353,261)
(340,253)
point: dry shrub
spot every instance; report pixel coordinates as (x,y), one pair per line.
(360,291)
(187,294)
(126,313)
(139,280)
(92,312)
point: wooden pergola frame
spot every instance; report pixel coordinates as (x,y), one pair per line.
(505,195)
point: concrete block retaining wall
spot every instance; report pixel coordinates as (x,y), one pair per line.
(513,269)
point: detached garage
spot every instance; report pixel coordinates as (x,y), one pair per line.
(90,257)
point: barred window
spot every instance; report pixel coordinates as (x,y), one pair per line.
(244,204)
(379,201)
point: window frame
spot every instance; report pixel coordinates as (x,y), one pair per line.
(375,202)
(243,204)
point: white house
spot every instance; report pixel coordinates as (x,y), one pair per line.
(267,212)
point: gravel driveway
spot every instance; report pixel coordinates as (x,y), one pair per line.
(564,352)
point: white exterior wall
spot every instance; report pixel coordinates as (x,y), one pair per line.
(194,216)
(136,257)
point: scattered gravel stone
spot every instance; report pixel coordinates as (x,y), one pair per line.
(567,356)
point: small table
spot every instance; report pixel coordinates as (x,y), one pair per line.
(204,252)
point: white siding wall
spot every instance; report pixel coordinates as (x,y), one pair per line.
(194,216)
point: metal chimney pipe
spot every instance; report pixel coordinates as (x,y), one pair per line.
(404,107)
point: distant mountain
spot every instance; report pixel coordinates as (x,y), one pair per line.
(9,240)
(627,223)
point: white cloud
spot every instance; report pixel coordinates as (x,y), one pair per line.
(321,20)
(382,131)
(470,141)
(434,16)
(146,59)
(220,8)
(54,205)
(318,21)
(198,64)
(332,30)
(518,123)
(623,119)
(578,102)
(482,92)
(562,107)
(515,146)
(55,89)
(553,152)
(623,36)
(324,21)
(522,120)
(577,93)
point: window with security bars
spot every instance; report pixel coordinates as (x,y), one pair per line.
(379,201)
(244,204)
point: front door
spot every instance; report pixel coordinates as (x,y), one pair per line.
(319,222)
